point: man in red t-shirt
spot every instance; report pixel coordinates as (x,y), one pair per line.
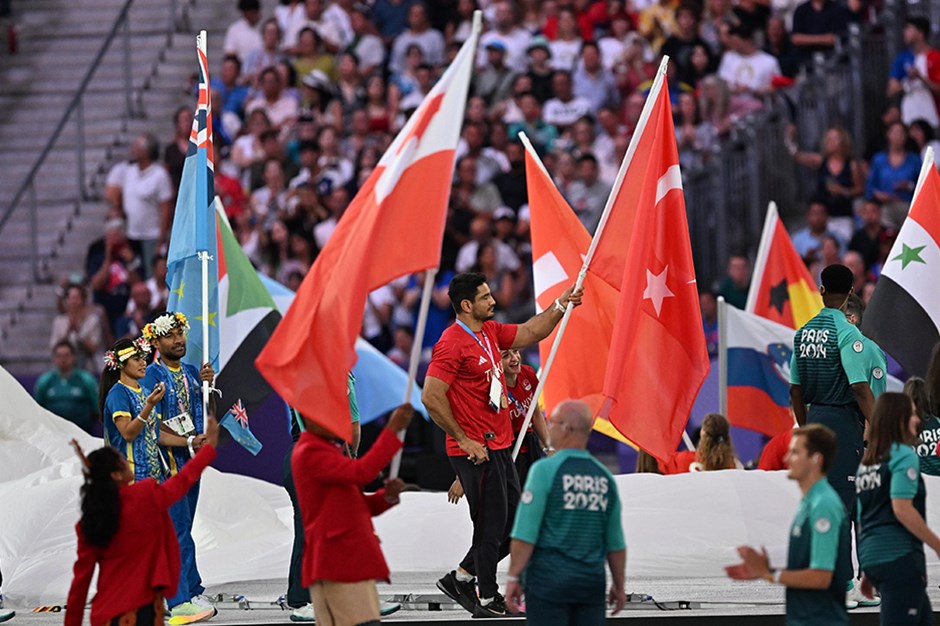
(465,394)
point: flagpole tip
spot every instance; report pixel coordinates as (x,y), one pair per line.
(477,21)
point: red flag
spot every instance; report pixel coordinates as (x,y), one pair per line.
(393,227)
(658,355)
(559,244)
(782,289)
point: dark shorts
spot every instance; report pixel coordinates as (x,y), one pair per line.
(902,584)
(553,613)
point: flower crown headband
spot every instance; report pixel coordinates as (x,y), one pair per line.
(114,360)
(163,324)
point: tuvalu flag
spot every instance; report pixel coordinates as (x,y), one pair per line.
(194,231)
(235,421)
(782,289)
(559,243)
(658,358)
(393,227)
(903,316)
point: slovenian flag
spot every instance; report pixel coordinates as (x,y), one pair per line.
(903,316)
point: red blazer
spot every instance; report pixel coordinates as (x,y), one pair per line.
(340,544)
(144,555)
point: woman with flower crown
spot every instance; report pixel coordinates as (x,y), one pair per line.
(131,425)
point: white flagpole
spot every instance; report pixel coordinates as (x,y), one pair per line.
(924,169)
(416,348)
(722,356)
(763,251)
(204,254)
(627,159)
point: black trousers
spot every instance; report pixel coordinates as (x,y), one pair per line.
(297,594)
(492,490)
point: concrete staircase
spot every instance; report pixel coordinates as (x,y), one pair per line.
(58,41)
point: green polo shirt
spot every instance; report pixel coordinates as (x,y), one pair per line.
(877,366)
(570,511)
(926,448)
(829,356)
(883,538)
(819,539)
(75,398)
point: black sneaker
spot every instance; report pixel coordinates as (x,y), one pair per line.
(496,608)
(463,593)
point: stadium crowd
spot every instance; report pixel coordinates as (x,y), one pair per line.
(309,94)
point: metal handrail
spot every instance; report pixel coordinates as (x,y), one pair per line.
(76,106)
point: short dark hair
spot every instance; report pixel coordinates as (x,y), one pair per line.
(249,5)
(920,23)
(590,43)
(837,278)
(464,287)
(587,157)
(819,439)
(63,343)
(233,58)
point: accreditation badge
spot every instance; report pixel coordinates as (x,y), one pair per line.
(496,393)
(181,424)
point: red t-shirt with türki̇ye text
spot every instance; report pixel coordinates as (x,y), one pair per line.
(520,397)
(466,364)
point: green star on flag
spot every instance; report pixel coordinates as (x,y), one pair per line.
(909,255)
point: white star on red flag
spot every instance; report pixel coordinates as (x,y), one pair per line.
(656,289)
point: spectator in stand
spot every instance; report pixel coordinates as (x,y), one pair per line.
(330,32)
(242,37)
(333,166)
(494,80)
(779,45)
(490,161)
(381,106)
(469,194)
(318,101)
(748,70)
(734,286)
(459,23)
(481,232)
(267,55)
(637,67)
(893,175)
(419,32)
(290,15)
(708,304)
(854,261)
(817,26)
(511,185)
(175,152)
(714,104)
(915,74)
(592,81)
(809,240)
(540,133)
(111,264)
(588,194)
(687,123)
(68,391)
(613,45)
(145,193)
(753,14)
(159,292)
(658,21)
(336,203)
(269,203)
(376,321)
(280,108)
(232,93)
(866,240)
(566,45)
(391,17)
(366,45)
(310,55)
(717,14)
(839,179)
(272,148)
(503,29)
(540,67)
(81,327)
(680,45)
(503,283)
(565,108)
(922,135)
(338,14)
(138,313)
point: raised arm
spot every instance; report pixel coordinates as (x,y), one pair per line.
(541,326)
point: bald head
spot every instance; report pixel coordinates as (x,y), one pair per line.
(571,424)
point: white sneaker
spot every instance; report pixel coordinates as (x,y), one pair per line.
(303,614)
(855,598)
(203,601)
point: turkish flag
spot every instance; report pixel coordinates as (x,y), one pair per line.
(559,244)
(782,289)
(658,359)
(393,227)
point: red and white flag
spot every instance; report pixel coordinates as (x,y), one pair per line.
(658,359)
(393,227)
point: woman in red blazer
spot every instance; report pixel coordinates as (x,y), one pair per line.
(126,531)
(342,559)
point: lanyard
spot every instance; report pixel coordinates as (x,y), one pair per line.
(512,399)
(176,392)
(486,348)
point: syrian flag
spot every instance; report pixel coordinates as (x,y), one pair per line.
(903,316)
(248,317)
